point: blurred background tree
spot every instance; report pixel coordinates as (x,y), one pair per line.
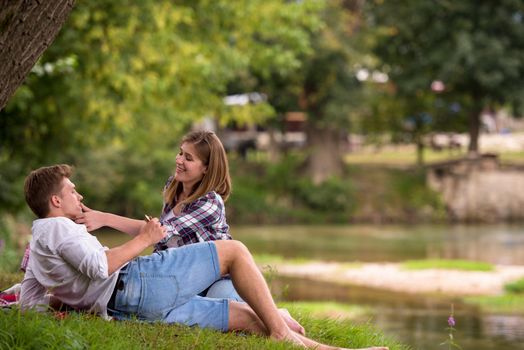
(115,91)
(474,49)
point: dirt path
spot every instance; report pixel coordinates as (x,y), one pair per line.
(389,276)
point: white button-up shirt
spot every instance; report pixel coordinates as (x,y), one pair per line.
(69,263)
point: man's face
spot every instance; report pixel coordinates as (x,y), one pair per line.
(70,199)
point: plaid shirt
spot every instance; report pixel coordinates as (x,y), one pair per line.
(200,221)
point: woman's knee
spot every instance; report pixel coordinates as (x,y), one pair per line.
(230,250)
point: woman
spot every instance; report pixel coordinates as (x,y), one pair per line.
(193,209)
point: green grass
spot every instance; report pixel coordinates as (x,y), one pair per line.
(503,304)
(516,287)
(329,309)
(7,279)
(406,156)
(271,259)
(31,330)
(463,265)
(79,331)
(512,158)
(402,156)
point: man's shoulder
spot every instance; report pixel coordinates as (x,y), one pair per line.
(54,221)
(55,225)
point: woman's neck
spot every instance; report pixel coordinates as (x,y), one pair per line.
(185,193)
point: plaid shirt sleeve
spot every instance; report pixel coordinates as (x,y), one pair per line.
(200,221)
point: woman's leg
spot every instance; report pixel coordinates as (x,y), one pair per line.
(243,318)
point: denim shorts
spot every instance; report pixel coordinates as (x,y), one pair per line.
(164,286)
(222,288)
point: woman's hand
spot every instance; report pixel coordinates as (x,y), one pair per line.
(93,219)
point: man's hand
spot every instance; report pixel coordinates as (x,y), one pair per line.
(93,219)
(152,231)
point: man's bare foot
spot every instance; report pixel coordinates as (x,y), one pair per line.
(291,322)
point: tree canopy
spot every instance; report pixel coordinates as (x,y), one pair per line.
(475,48)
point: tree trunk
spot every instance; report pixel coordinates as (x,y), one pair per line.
(325,157)
(420,151)
(474,131)
(27,28)
(274,151)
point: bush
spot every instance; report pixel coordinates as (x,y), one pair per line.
(516,287)
(11,244)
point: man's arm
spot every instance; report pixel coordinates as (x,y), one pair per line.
(94,219)
(85,253)
(151,233)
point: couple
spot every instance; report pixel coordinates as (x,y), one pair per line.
(68,265)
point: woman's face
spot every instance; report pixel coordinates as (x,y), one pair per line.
(189,168)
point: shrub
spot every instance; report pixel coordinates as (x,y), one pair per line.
(516,287)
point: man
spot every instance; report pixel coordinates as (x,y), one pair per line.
(70,266)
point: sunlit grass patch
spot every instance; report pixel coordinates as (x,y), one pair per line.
(327,309)
(516,287)
(464,265)
(270,259)
(512,157)
(399,156)
(504,304)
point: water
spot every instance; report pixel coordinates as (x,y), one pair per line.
(419,321)
(501,244)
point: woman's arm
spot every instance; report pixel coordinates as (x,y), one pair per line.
(94,219)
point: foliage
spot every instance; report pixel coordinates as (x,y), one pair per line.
(12,243)
(473,48)
(516,287)
(280,192)
(123,81)
(386,194)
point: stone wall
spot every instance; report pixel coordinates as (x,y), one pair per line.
(479,189)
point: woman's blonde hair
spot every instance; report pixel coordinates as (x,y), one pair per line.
(211,152)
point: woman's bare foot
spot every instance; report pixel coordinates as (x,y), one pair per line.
(291,322)
(289,337)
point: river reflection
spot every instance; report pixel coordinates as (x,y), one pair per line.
(419,321)
(500,244)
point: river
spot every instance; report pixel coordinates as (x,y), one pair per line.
(419,321)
